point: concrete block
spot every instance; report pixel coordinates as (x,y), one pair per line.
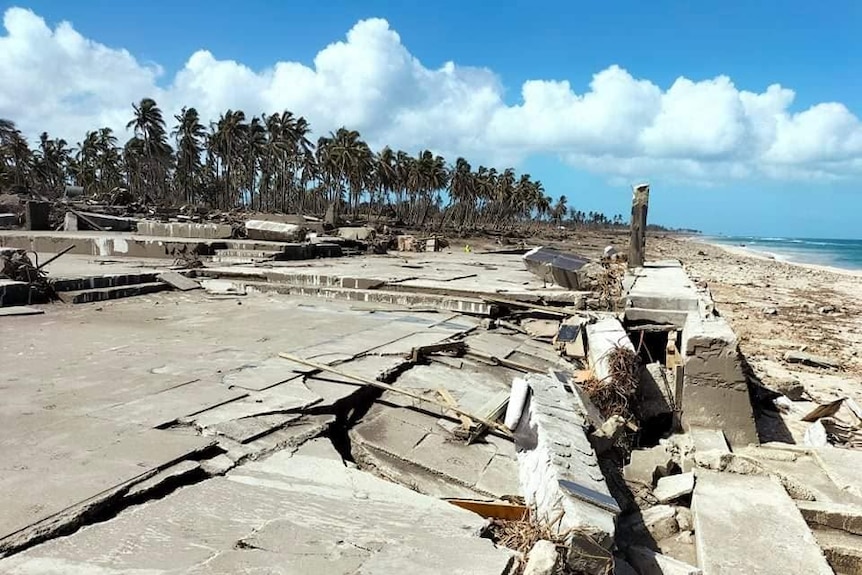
(542,559)
(357,233)
(70,222)
(748,524)
(636,315)
(662,286)
(673,487)
(647,465)
(835,515)
(685,519)
(274,231)
(8,220)
(715,394)
(648,562)
(660,521)
(704,439)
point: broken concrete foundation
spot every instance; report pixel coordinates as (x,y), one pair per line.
(715,392)
(249,427)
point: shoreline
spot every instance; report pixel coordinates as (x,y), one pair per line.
(766,256)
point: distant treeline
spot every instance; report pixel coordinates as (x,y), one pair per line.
(268,163)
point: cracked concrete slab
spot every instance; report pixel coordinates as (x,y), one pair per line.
(248,519)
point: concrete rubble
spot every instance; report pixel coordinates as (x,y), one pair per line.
(345,415)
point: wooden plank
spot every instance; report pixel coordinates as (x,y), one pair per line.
(466,422)
(492,509)
(385,386)
(178,281)
(826,410)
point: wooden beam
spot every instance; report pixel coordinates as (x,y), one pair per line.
(386,387)
(637,241)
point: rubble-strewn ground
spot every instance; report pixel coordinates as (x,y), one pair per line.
(178,430)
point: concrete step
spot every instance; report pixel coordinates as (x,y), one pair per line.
(469,306)
(842,549)
(257,254)
(100,282)
(103,294)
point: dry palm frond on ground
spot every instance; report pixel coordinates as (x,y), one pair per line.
(522,535)
(609,284)
(614,395)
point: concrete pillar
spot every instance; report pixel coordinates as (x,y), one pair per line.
(70,223)
(37,215)
(637,241)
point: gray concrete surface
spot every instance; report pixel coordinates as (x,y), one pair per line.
(101,399)
(296,513)
(748,524)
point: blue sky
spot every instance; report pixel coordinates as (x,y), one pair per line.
(792,187)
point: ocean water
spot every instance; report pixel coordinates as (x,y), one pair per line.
(845,254)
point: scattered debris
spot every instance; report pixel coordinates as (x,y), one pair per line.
(178,281)
(812,360)
(824,410)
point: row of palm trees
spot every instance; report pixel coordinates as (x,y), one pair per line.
(268,163)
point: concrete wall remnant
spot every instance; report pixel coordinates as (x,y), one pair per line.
(715,391)
(560,474)
(184,230)
(715,394)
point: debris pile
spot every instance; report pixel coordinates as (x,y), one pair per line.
(16,266)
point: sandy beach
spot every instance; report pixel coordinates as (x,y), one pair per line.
(777,307)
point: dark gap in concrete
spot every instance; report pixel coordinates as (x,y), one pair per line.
(654,429)
(650,345)
(104,510)
(347,412)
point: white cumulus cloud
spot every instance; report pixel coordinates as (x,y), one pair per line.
(703,130)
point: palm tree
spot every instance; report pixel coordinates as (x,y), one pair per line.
(559,210)
(228,139)
(190,136)
(150,142)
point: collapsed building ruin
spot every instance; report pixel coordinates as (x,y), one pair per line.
(270,404)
